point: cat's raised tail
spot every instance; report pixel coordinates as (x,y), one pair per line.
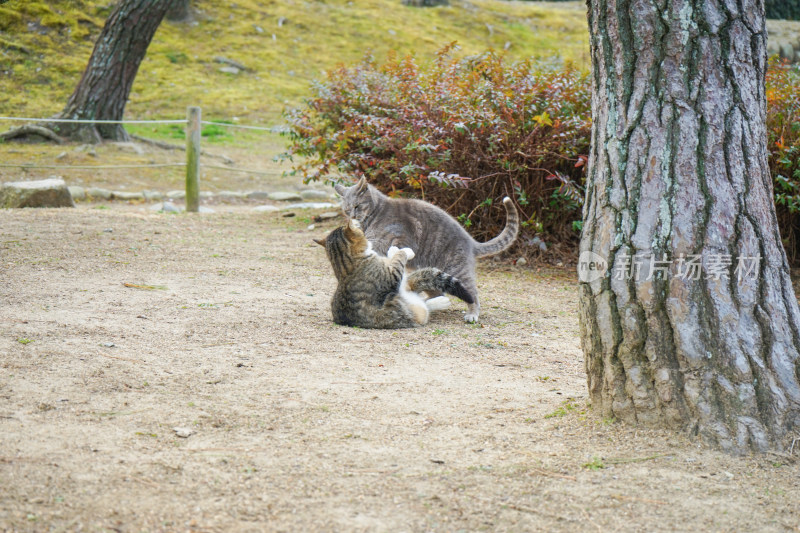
(506,237)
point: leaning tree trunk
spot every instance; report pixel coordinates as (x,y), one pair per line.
(106,83)
(694,323)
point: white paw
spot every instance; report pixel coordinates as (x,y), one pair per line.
(409,253)
(392,251)
(438,303)
(470,318)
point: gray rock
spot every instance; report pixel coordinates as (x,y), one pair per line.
(258,195)
(787,51)
(772,47)
(265,208)
(176,195)
(330,215)
(310,205)
(231,194)
(230,70)
(285,197)
(62,155)
(78,193)
(204,209)
(313,194)
(521,261)
(51,192)
(165,207)
(97,192)
(183,433)
(132,147)
(122,195)
(206,194)
(87,148)
(230,62)
(539,243)
(153,195)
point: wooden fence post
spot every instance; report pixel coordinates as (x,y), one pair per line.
(192,159)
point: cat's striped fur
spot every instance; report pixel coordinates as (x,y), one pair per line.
(438,239)
(375,291)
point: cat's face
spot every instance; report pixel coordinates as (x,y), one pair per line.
(346,240)
(356,200)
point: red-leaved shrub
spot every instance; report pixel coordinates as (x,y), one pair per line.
(783,141)
(463,133)
(460,133)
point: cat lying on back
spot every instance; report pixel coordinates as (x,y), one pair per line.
(438,240)
(375,291)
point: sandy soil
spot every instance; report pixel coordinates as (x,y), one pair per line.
(298,424)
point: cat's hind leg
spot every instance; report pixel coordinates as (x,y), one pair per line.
(438,303)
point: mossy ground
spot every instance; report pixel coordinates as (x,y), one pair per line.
(285,45)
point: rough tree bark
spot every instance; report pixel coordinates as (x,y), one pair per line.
(106,83)
(678,178)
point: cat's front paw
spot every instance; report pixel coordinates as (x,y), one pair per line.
(409,253)
(470,318)
(392,251)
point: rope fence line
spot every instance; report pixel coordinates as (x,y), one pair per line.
(192,123)
(240,126)
(234,169)
(150,165)
(95,121)
(165,121)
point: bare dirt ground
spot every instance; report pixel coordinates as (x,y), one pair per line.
(298,424)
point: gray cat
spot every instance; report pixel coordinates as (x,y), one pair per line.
(377,292)
(438,240)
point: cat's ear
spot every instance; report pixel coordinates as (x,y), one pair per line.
(361,186)
(340,189)
(321,242)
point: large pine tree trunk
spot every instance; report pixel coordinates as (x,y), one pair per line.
(678,169)
(106,83)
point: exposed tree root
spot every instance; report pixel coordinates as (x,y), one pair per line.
(32,129)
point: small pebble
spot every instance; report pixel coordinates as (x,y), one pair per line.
(183,433)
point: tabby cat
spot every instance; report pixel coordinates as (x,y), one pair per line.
(437,238)
(375,291)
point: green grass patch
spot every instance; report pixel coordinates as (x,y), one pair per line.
(567,407)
